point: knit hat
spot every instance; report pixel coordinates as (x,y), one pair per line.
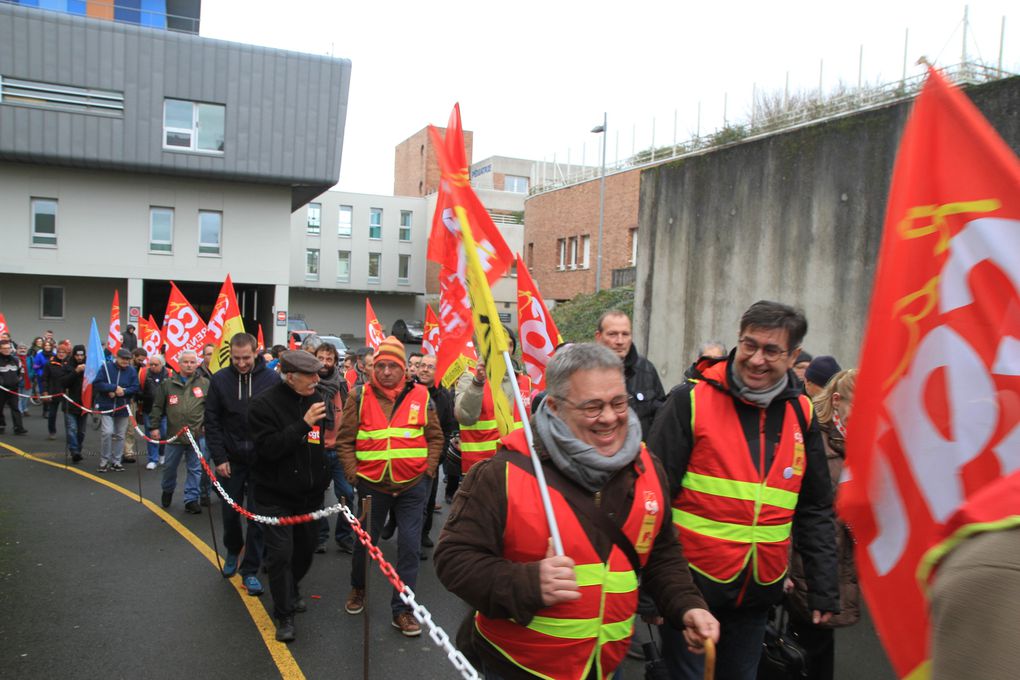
(299,361)
(821,369)
(392,348)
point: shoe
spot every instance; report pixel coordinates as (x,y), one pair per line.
(52,437)
(103,469)
(204,501)
(193,508)
(388,530)
(76,457)
(162,460)
(346,545)
(230,565)
(21,431)
(253,585)
(166,498)
(117,467)
(285,629)
(130,460)
(426,542)
(150,465)
(407,624)
(437,508)
(300,606)
(355,601)
(320,549)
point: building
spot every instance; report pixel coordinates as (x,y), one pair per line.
(171,15)
(415,165)
(131,156)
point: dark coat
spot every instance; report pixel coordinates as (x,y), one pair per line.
(226,411)
(108,379)
(644,388)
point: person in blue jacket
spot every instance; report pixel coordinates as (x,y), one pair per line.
(39,361)
(115,387)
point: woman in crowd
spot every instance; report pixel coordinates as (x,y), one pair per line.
(39,361)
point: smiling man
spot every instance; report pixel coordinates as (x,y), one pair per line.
(747,471)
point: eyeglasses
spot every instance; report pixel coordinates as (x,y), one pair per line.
(771,352)
(387,366)
(593,409)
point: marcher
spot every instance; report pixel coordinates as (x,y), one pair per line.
(139,359)
(818,373)
(178,402)
(156,373)
(333,389)
(115,388)
(643,383)
(26,383)
(39,361)
(571,616)
(11,378)
(290,475)
(75,420)
(803,361)
(229,441)
(129,340)
(390,442)
(50,384)
(747,469)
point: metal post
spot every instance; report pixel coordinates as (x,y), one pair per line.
(725,104)
(963,52)
(786,92)
(860,68)
(366,513)
(697,130)
(674,132)
(653,146)
(602,202)
(906,41)
(754,95)
(821,70)
(1002,42)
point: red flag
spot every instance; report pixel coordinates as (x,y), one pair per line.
(150,335)
(262,342)
(430,338)
(3,324)
(183,328)
(225,307)
(374,333)
(456,351)
(937,408)
(535,326)
(114,338)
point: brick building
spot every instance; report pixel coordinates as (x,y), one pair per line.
(415,166)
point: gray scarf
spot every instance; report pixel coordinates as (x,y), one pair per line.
(579,461)
(760,398)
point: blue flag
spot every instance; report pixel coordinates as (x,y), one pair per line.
(95,358)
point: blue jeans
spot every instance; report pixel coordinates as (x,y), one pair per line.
(742,632)
(240,487)
(75,427)
(344,491)
(407,509)
(193,469)
(155,450)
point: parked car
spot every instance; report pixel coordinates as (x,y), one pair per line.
(341,346)
(295,338)
(408,331)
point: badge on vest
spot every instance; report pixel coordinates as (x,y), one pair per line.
(798,456)
(647,533)
(197,391)
(314,435)
(173,400)
(414,413)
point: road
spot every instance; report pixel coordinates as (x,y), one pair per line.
(94,583)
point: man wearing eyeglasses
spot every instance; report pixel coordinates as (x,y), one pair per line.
(747,472)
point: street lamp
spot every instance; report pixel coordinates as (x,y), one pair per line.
(602,204)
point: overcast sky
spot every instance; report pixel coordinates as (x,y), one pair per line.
(533,78)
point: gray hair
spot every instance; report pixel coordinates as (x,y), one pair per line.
(181,355)
(312,343)
(583,356)
(705,346)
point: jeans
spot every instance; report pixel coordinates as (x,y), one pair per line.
(192,469)
(742,632)
(111,439)
(407,508)
(239,486)
(75,426)
(343,490)
(289,551)
(157,450)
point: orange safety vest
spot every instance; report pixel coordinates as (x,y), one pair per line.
(397,445)
(479,442)
(565,640)
(728,513)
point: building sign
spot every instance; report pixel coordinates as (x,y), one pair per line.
(281,317)
(478,172)
(133,314)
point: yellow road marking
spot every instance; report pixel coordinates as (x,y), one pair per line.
(284,660)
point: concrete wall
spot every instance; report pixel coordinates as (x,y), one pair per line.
(795,217)
(336,313)
(84,298)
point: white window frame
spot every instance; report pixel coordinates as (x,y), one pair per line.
(585,252)
(349,211)
(407,215)
(314,218)
(562,247)
(372,212)
(42,298)
(633,247)
(516,180)
(153,209)
(378,277)
(340,277)
(193,131)
(401,259)
(572,252)
(201,244)
(311,253)
(41,235)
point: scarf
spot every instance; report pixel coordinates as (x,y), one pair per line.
(390,393)
(760,398)
(580,461)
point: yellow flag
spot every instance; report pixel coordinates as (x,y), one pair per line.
(227,317)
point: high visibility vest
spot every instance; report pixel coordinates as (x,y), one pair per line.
(568,639)
(479,442)
(396,446)
(728,513)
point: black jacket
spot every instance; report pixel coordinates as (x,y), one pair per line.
(290,471)
(11,372)
(52,373)
(129,340)
(70,381)
(644,388)
(813,529)
(151,387)
(226,411)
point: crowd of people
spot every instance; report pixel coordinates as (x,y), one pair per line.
(701,508)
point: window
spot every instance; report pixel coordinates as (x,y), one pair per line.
(405,225)
(561,246)
(518,185)
(374,267)
(513,269)
(375,224)
(314,215)
(312,264)
(38,94)
(343,266)
(51,302)
(210,232)
(404,269)
(161,230)
(44,222)
(573,252)
(346,218)
(531,255)
(190,126)
(585,252)
(633,247)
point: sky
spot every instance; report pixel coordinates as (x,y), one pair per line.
(533,78)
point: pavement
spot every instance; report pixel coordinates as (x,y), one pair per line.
(94,583)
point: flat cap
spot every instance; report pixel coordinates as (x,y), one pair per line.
(123,353)
(298,361)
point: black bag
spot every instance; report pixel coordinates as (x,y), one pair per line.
(782,657)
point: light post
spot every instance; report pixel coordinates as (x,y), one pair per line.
(602,204)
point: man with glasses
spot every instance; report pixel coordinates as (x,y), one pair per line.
(643,383)
(747,472)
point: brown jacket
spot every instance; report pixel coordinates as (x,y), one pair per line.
(347,438)
(469,562)
(849,591)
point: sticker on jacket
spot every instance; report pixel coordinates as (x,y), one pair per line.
(314,435)
(647,531)
(197,391)
(414,413)
(173,400)
(798,454)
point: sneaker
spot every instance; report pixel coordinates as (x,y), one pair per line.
(230,565)
(285,629)
(355,601)
(151,466)
(76,457)
(253,585)
(103,468)
(346,545)
(162,460)
(193,508)
(166,498)
(204,501)
(426,542)
(300,606)
(52,436)
(117,467)
(320,549)
(407,624)
(130,460)
(21,431)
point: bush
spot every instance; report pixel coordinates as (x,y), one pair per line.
(577,319)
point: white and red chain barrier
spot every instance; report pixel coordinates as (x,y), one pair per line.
(63,395)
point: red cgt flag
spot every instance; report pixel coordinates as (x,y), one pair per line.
(374,333)
(535,326)
(262,342)
(430,338)
(150,335)
(3,324)
(183,328)
(937,408)
(114,338)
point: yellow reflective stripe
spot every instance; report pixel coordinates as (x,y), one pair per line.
(480,425)
(474,447)
(611,581)
(572,629)
(739,533)
(620,582)
(745,491)
(589,574)
(388,432)
(517,425)
(389,454)
(613,632)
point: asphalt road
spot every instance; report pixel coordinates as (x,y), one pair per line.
(95,584)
